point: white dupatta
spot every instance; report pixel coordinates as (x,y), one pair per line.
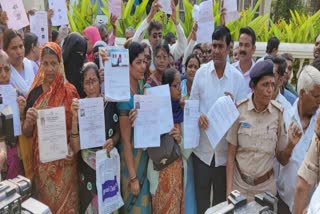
(22,84)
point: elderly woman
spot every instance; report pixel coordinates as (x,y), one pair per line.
(86,164)
(22,74)
(134,162)
(56,182)
(258,137)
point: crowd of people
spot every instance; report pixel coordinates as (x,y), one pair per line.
(273,146)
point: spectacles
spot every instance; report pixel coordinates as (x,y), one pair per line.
(162,57)
(157,35)
(91,82)
(5,68)
(176,86)
(208,51)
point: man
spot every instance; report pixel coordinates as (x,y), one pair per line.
(279,68)
(130,31)
(304,114)
(316,50)
(213,80)
(309,176)
(207,55)
(247,47)
(155,31)
(272,48)
(287,75)
(316,63)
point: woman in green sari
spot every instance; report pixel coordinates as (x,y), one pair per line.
(134,183)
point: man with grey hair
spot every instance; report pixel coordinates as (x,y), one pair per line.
(304,114)
(130,31)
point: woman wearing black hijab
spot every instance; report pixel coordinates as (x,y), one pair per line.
(74,51)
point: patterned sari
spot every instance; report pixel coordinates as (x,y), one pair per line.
(56,182)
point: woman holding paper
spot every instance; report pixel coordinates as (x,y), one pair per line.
(87,169)
(134,162)
(56,182)
(22,74)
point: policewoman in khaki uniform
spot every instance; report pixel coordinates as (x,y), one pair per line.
(258,137)
(309,174)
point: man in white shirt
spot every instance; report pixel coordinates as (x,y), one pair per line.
(215,79)
(304,113)
(272,48)
(247,47)
(155,31)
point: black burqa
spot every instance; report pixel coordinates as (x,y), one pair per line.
(74,51)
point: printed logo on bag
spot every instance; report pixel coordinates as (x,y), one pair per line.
(115,118)
(110,188)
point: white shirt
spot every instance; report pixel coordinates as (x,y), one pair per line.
(207,88)
(287,109)
(288,176)
(245,75)
(314,206)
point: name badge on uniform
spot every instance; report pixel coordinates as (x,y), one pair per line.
(245,125)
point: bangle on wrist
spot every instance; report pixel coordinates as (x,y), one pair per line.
(133,179)
(74,135)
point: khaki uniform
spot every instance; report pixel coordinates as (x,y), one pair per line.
(255,134)
(309,169)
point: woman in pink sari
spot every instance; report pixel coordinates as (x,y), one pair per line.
(92,35)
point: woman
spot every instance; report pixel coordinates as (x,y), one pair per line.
(166,185)
(92,35)
(147,54)
(91,86)
(55,182)
(74,54)
(161,62)
(22,74)
(258,137)
(32,50)
(192,65)
(134,184)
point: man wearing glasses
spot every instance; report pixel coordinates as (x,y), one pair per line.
(155,31)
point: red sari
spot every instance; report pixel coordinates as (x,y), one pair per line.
(56,182)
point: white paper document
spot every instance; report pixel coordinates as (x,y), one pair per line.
(115,7)
(203,15)
(191,132)
(9,96)
(165,6)
(52,134)
(108,181)
(221,116)
(116,76)
(147,123)
(231,10)
(59,8)
(17,16)
(91,123)
(39,26)
(166,117)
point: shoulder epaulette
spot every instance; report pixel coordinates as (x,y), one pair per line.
(242,102)
(277,105)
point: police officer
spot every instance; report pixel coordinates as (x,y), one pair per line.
(309,175)
(257,137)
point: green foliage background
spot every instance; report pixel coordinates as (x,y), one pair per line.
(300,28)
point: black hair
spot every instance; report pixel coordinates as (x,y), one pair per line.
(273,43)
(197,46)
(2,28)
(161,45)
(287,56)
(55,35)
(48,51)
(86,67)
(30,41)
(154,24)
(192,56)
(316,63)
(250,32)
(102,28)
(281,62)
(169,75)
(135,49)
(145,45)
(222,32)
(169,37)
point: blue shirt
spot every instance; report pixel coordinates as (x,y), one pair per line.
(289,96)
